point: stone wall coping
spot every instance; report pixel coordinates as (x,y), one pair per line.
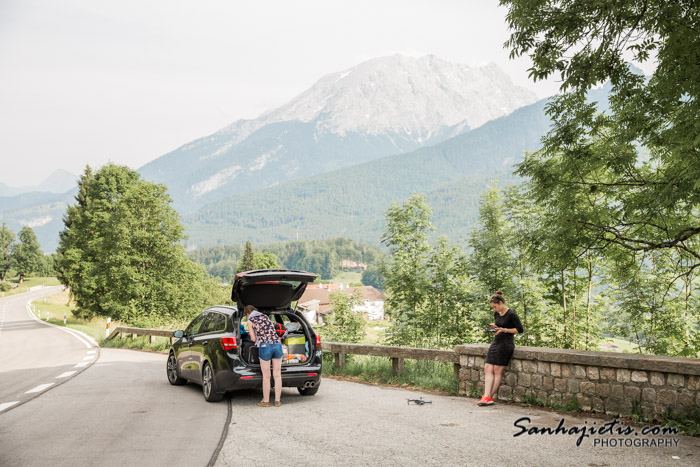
(680,365)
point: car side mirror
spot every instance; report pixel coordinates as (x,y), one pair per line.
(178,334)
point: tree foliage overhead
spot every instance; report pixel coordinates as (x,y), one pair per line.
(632,175)
(120,251)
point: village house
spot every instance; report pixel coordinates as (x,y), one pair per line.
(316,304)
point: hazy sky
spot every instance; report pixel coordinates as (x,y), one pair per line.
(91,81)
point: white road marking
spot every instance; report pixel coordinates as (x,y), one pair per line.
(90,352)
(7,405)
(40,388)
(80,365)
(66,374)
(89,357)
(77,334)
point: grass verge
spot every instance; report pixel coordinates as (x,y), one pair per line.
(27,284)
(431,376)
(54,308)
(161,344)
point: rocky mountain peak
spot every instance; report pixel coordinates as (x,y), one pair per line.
(415,97)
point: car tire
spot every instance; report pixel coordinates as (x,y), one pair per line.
(309,391)
(209,389)
(171,371)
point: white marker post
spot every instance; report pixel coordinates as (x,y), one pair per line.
(109,320)
(64,318)
(48,315)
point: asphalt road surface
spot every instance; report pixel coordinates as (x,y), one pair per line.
(356,424)
(120,410)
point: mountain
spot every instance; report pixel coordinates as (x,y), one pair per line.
(384,106)
(60,181)
(41,211)
(351,202)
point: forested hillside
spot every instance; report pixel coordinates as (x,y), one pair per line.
(319,256)
(352,202)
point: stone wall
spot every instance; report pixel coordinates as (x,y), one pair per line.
(603,382)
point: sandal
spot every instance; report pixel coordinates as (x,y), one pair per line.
(263,404)
(277,403)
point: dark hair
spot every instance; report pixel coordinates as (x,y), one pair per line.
(497,297)
(249,309)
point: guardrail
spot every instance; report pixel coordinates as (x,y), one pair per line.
(338,349)
(123,331)
(397,354)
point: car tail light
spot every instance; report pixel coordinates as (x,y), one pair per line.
(318,340)
(246,377)
(228,343)
(311,374)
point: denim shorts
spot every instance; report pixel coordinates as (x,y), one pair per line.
(269,351)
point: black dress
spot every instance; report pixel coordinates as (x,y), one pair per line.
(502,347)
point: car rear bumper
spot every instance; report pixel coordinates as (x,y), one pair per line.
(244,377)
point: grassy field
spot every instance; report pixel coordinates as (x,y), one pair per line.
(622,346)
(29,282)
(347,277)
(56,306)
(374,331)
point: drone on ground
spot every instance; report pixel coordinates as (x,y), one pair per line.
(418,401)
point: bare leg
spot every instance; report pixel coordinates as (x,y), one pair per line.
(265,368)
(277,374)
(488,379)
(497,375)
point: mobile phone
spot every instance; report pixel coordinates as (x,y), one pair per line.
(490,330)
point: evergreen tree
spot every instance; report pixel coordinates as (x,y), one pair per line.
(26,256)
(248,261)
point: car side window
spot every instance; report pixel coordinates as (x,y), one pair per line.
(209,323)
(221,323)
(195,324)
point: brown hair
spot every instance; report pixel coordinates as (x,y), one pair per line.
(497,297)
(249,309)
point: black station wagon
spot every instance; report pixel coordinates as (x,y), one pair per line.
(216,351)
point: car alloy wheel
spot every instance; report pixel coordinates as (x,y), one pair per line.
(173,378)
(209,385)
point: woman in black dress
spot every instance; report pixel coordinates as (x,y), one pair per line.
(506,325)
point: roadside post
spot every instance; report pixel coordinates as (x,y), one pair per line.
(109,320)
(64,318)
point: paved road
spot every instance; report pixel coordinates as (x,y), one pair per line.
(355,424)
(27,344)
(121,411)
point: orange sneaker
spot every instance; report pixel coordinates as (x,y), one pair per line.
(485,401)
